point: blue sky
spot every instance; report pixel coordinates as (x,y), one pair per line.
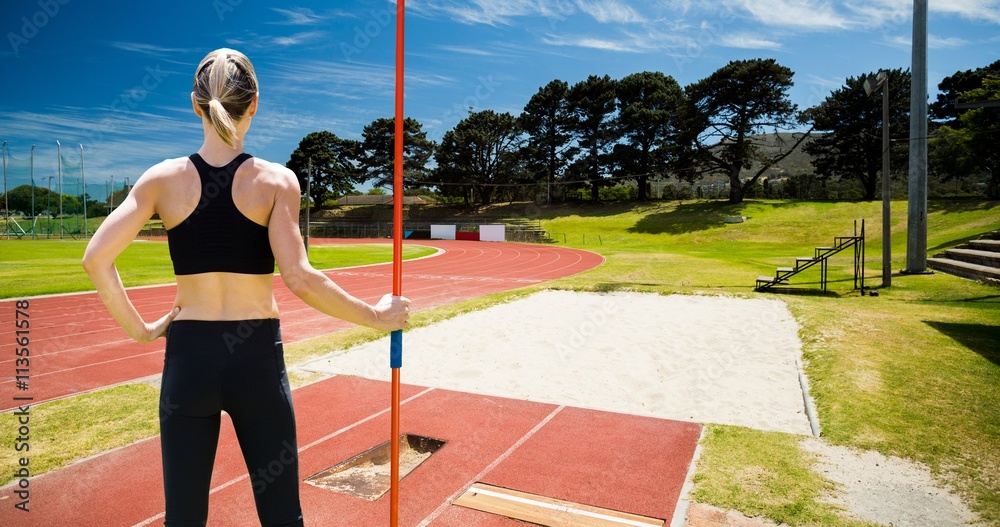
(116,76)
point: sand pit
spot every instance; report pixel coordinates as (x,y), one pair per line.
(696,358)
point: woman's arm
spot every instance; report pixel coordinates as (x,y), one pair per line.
(312,286)
(114,235)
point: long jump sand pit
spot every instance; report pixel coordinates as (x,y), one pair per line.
(706,359)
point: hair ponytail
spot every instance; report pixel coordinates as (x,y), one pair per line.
(224,86)
(222,121)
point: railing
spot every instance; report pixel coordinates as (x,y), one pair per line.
(821,256)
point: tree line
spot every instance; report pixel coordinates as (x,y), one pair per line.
(738,123)
(46,202)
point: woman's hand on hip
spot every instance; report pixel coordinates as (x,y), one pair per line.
(155,330)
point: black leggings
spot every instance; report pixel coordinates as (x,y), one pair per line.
(236,366)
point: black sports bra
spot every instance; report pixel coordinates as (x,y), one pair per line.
(217,237)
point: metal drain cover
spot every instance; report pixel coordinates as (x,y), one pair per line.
(366,475)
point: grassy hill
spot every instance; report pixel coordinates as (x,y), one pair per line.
(798,162)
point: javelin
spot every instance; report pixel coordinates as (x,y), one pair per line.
(396,340)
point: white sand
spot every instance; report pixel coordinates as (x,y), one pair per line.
(694,358)
(888,490)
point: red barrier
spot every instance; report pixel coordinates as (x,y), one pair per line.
(468,236)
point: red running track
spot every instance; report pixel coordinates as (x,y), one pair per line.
(75,345)
(615,461)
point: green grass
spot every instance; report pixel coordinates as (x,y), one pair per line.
(914,372)
(764,474)
(41,267)
(70,429)
(918,379)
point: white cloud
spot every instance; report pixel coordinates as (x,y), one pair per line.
(847,14)
(317,77)
(343,79)
(151,49)
(933,42)
(981,10)
(899,41)
(123,143)
(593,43)
(880,13)
(297,16)
(255,41)
(829,84)
(464,50)
(805,14)
(899,13)
(682,6)
(610,11)
(747,41)
(493,12)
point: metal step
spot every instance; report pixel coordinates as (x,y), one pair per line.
(820,256)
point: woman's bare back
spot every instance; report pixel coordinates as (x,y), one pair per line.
(217,295)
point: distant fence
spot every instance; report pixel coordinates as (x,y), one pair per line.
(529,231)
(19,226)
(525,232)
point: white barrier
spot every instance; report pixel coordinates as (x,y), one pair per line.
(442,232)
(491,233)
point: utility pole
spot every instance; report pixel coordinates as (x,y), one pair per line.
(882,82)
(34,220)
(6,203)
(916,224)
(59,156)
(309,178)
(83,178)
(48,207)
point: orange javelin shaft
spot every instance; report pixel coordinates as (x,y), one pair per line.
(396,346)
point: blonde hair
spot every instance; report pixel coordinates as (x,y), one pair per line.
(224,85)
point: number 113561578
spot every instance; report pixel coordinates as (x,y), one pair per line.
(22,341)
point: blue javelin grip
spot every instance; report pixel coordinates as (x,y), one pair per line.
(396,349)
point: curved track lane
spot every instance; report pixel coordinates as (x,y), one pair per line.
(76,346)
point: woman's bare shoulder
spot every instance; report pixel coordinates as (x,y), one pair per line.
(165,169)
(275,174)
